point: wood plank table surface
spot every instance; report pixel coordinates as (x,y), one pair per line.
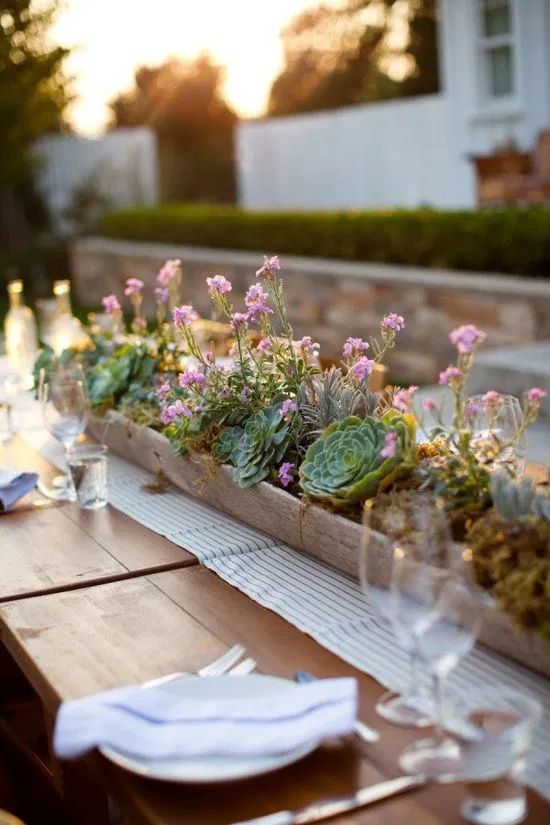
(75,643)
(64,547)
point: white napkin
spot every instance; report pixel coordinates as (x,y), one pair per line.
(158,724)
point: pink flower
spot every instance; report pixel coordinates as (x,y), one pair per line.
(169,271)
(184,316)
(392,322)
(362,368)
(450,376)
(492,398)
(535,395)
(466,338)
(390,445)
(256,301)
(133,286)
(174,412)
(288,407)
(190,377)
(110,304)
(239,320)
(471,410)
(307,347)
(402,399)
(163,391)
(429,405)
(286,473)
(264,345)
(218,285)
(162,293)
(354,347)
(271,265)
(139,324)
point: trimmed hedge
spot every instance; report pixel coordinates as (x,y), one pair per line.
(502,240)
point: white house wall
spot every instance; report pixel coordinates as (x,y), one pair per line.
(368,156)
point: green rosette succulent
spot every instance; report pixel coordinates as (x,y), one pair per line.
(261,446)
(344,466)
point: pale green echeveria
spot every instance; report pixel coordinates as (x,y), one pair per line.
(345,465)
(261,446)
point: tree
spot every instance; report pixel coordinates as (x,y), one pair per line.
(346,54)
(182,101)
(33,96)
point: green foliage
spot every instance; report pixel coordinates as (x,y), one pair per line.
(261,446)
(344,465)
(518,499)
(500,240)
(329,398)
(224,448)
(128,372)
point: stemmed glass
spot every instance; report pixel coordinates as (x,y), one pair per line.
(495,426)
(376,557)
(65,410)
(434,594)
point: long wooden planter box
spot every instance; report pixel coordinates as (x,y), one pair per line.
(310,529)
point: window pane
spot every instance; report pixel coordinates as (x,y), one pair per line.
(500,71)
(496,18)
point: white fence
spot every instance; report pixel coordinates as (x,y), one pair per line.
(399,153)
(117,169)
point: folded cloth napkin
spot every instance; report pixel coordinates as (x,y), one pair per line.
(14,485)
(158,724)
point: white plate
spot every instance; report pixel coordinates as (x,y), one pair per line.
(214,768)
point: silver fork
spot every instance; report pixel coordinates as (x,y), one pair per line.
(243,668)
(218,667)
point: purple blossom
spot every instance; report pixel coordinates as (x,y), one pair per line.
(466,338)
(246,393)
(392,322)
(402,399)
(450,376)
(471,410)
(218,285)
(271,265)
(286,473)
(288,407)
(307,347)
(354,347)
(190,377)
(174,412)
(163,391)
(535,395)
(390,445)
(429,405)
(133,286)
(162,293)
(168,272)
(184,316)
(362,368)
(265,345)
(256,301)
(110,304)
(492,398)
(239,320)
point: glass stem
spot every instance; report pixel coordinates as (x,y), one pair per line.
(412,687)
(439,732)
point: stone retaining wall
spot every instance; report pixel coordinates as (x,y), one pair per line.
(330,300)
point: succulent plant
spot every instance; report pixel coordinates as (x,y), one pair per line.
(261,446)
(327,398)
(345,466)
(224,447)
(514,500)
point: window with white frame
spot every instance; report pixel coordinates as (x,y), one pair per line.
(497,45)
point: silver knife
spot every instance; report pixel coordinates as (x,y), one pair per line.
(334,807)
(361,730)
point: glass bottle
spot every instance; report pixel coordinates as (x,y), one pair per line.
(21,334)
(65,330)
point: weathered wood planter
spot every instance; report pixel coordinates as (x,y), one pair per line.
(313,530)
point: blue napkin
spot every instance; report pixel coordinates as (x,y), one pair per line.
(15,485)
(157,724)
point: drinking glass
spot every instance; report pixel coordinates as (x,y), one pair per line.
(376,556)
(65,409)
(494,757)
(10,384)
(434,595)
(88,468)
(495,431)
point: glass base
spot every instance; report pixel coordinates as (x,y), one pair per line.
(491,812)
(402,711)
(435,758)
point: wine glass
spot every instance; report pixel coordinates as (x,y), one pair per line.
(434,594)
(376,557)
(495,425)
(65,410)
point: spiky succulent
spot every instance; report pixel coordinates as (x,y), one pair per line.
(345,465)
(327,398)
(261,446)
(514,500)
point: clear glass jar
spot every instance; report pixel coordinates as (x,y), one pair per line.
(21,334)
(65,330)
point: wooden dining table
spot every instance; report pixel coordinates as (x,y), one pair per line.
(95,600)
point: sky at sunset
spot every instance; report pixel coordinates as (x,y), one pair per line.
(112,37)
